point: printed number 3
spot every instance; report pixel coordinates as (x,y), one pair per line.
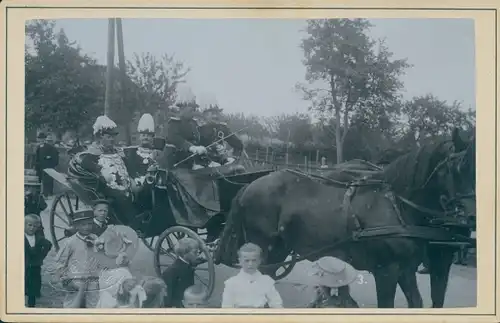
(361,279)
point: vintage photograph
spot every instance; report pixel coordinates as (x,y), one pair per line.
(250,163)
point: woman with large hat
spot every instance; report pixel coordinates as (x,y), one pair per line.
(114,250)
(101,170)
(329,274)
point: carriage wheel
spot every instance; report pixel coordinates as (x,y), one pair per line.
(150,242)
(164,256)
(61,214)
(283,271)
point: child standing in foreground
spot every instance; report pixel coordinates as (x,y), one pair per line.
(34,203)
(77,267)
(250,288)
(195,297)
(36,248)
(180,275)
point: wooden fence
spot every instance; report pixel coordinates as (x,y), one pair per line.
(307,162)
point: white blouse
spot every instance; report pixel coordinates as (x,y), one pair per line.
(250,291)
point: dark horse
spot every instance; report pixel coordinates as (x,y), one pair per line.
(287,212)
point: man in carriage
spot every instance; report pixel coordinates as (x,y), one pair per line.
(100,172)
(212,128)
(139,159)
(183,133)
(192,136)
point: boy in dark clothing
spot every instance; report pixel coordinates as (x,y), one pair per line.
(34,203)
(101,211)
(36,249)
(180,275)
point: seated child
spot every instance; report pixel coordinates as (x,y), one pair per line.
(101,210)
(114,250)
(76,265)
(130,294)
(331,274)
(195,297)
(110,281)
(180,275)
(36,248)
(156,292)
(250,288)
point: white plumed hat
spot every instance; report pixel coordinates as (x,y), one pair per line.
(146,124)
(103,125)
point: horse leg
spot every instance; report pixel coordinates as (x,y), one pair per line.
(386,281)
(440,260)
(408,283)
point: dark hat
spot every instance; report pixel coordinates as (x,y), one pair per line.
(100,201)
(83,215)
(42,135)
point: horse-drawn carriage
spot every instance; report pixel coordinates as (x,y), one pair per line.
(380,220)
(173,214)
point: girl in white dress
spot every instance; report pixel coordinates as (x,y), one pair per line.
(250,288)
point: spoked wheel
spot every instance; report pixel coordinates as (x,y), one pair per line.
(61,215)
(283,271)
(165,256)
(150,243)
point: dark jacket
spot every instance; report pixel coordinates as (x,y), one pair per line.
(34,204)
(183,133)
(178,278)
(209,133)
(33,260)
(97,229)
(46,156)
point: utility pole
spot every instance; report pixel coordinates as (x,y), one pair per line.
(110,66)
(123,74)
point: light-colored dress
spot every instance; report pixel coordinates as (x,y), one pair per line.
(250,291)
(109,283)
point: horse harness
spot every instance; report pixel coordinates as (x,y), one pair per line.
(436,234)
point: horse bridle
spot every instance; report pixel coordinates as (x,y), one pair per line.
(453,197)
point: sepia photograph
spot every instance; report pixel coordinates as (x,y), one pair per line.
(239,163)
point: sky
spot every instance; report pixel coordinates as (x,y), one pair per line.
(252,65)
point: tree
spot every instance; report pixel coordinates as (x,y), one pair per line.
(295,129)
(157,79)
(254,127)
(62,89)
(348,75)
(427,117)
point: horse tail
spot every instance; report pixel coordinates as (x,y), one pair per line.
(230,239)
